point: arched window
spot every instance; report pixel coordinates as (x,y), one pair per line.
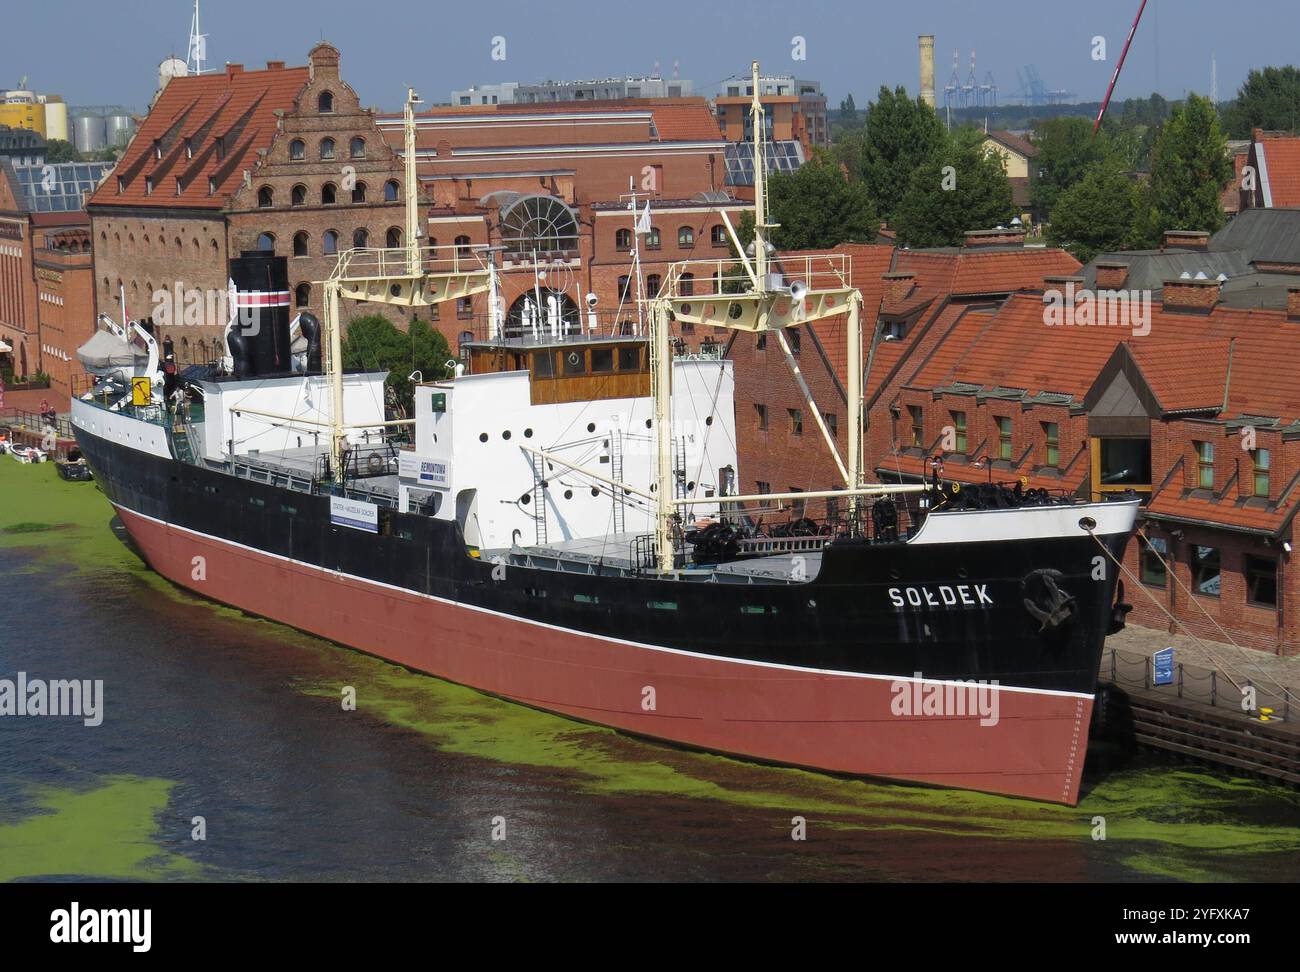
(538,223)
(359,192)
(214,248)
(686,285)
(390,190)
(195,243)
(302,295)
(266,241)
(360,237)
(297,150)
(623,239)
(328,193)
(325,103)
(327,148)
(652,284)
(624,287)
(185,350)
(265,197)
(718,235)
(652,238)
(393,238)
(330,243)
(686,236)
(179,247)
(298,197)
(358,148)
(300,244)
(462,246)
(433,249)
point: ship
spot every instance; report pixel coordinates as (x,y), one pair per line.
(558,524)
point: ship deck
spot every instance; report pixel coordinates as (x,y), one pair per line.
(616,554)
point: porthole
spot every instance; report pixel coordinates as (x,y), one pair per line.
(591,426)
(963,573)
(893,573)
(708,420)
(505,434)
(735,310)
(653,487)
(568,494)
(483,437)
(528,433)
(647,423)
(525,499)
(595,491)
(690,487)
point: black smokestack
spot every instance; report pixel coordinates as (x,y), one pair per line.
(262,302)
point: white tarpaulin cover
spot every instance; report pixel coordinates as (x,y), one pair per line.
(5,346)
(106,350)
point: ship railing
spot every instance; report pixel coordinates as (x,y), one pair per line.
(714,280)
(382,263)
(37,422)
(1194,683)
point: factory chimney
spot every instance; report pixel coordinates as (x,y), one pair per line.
(926,43)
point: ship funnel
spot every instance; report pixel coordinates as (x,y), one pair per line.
(259,340)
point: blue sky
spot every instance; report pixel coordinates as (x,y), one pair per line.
(107,53)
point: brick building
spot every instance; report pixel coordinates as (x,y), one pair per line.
(282,159)
(1199,416)
(548,185)
(47,307)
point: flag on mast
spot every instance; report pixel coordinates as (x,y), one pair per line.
(643,221)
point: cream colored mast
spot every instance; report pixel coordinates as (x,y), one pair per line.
(409,276)
(770,303)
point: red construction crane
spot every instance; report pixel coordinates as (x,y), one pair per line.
(1118,67)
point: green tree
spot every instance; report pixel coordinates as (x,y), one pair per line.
(1269,99)
(1097,213)
(964,187)
(373,342)
(902,135)
(818,207)
(1189,168)
(57,150)
(849,113)
(1066,151)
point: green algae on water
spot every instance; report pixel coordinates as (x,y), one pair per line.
(107,831)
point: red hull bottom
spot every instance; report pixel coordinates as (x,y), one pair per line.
(837,722)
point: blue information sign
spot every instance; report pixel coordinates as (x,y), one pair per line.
(1164,666)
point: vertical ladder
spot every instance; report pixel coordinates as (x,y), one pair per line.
(679,468)
(616,474)
(539,498)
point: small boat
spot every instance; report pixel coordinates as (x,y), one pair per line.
(27,453)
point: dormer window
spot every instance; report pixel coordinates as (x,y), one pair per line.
(189,149)
(325,103)
(148,185)
(157,149)
(121,185)
(212,186)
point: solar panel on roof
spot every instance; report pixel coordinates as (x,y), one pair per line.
(784,156)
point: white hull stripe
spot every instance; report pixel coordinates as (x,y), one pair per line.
(587,634)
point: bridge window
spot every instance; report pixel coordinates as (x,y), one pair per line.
(602,360)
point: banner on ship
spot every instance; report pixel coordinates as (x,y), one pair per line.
(356,514)
(427,472)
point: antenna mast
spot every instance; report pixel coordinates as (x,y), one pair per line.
(198,47)
(761,225)
(413,233)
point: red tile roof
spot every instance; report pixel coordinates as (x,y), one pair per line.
(1015,143)
(1282,165)
(1185,376)
(1227,511)
(1184,357)
(673,119)
(237,108)
(970,272)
